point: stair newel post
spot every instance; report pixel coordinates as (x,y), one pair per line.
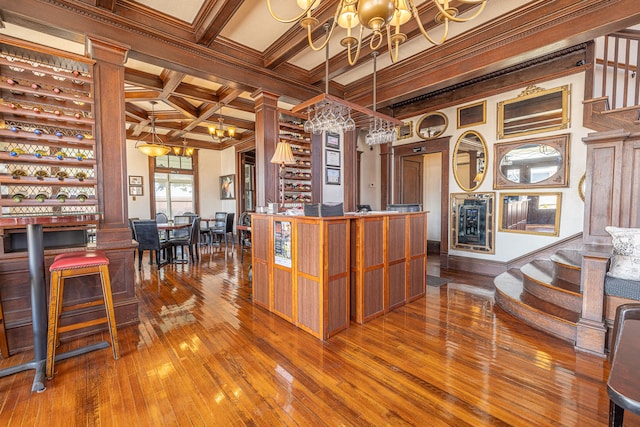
(591,330)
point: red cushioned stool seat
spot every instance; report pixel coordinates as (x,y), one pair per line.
(77,264)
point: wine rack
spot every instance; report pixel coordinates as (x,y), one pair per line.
(47,145)
(298,176)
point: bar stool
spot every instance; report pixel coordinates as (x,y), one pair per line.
(76,264)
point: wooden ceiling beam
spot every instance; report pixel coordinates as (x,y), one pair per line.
(213,17)
(170,81)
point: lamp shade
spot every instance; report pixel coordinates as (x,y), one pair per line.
(283,154)
(153,150)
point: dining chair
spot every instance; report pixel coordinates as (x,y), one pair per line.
(219,226)
(191,240)
(161,218)
(146,234)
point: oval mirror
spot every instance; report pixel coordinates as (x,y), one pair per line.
(539,162)
(469,160)
(432,125)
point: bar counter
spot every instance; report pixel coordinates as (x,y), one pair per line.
(319,273)
(60,235)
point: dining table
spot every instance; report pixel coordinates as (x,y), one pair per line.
(35,256)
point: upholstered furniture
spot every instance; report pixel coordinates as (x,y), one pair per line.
(78,264)
(190,240)
(146,234)
(622,385)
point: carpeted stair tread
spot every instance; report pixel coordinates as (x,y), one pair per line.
(542,272)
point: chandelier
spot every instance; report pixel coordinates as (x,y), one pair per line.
(155,147)
(381,131)
(380,16)
(220,134)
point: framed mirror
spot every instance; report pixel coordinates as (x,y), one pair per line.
(582,186)
(432,125)
(472,115)
(469,160)
(472,222)
(530,213)
(535,110)
(532,163)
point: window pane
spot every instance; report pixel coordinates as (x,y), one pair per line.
(174,194)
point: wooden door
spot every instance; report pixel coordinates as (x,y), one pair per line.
(411,190)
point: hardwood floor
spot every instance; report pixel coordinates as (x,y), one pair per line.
(204,355)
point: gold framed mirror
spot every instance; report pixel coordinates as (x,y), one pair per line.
(530,213)
(432,125)
(535,110)
(532,163)
(470,157)
(472,218)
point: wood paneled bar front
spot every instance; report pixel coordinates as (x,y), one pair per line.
(321,273)
(301,270)
(388,262)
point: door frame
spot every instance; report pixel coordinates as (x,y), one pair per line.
(439,145)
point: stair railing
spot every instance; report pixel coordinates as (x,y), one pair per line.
(617,76)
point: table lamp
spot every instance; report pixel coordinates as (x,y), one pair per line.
(282,156)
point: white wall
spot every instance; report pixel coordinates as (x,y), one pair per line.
(512,245)
(138,164)
(369,173)
(432,194)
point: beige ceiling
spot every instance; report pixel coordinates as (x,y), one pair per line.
(245,50)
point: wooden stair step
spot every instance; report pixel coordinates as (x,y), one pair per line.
(540,314)
(569,258)
(544,272)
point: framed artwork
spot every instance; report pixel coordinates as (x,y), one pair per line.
(135,190)
(405,130)
(332,141)
(135,180)
(227,187)
(472,115)
(332,158)
(332,176)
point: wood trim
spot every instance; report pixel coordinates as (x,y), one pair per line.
(439,145)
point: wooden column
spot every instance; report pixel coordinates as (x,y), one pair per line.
(350,170)
(386,155)
(266,141)
(111,138)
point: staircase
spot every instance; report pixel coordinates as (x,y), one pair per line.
(544,293)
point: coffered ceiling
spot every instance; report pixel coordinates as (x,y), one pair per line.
(202,59)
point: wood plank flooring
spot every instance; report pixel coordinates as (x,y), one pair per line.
(204,355)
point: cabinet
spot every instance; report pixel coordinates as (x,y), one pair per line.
(47,145)
(298,176)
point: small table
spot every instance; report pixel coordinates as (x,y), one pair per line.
(35,255)
(623,386)
(172,227)
(243,230)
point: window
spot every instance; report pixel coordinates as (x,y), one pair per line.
(174,182)
(174,194)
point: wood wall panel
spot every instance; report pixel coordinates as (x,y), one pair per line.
(260,283)
(373,296)
(309,304)
(417,278)
(373,247)
(282,293)
(418,235)
(396,238)
(308,242)
(260,237)
(397,284)
(337,315)
(338,247)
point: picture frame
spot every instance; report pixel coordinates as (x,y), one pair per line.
(332,176)
(227,187)
(136,190)
(472,114)
(332,158)
(405,130)
(135,180)
(332,140)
